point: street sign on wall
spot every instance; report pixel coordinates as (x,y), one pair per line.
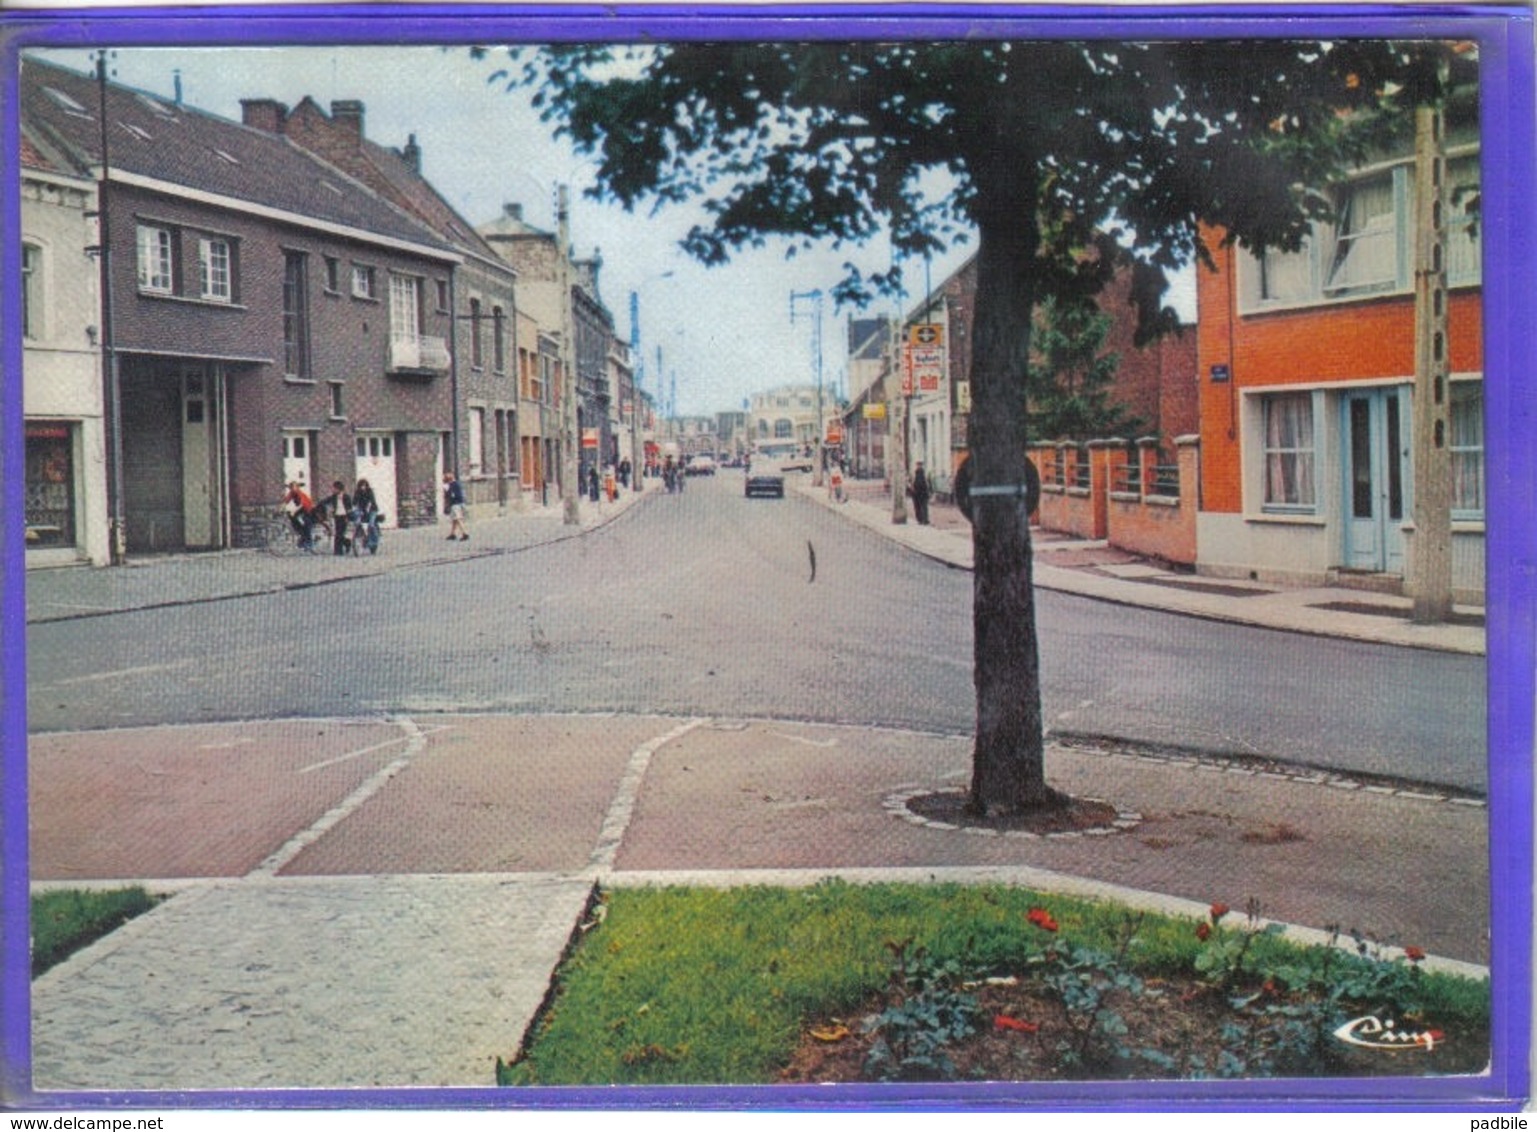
(874,411)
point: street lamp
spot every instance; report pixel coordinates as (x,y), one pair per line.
(638,360)
(568,438)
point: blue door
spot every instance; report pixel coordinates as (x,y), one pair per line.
(1376,467)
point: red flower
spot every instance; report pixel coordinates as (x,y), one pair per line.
(1218,910)
(1203,931)
(1042,919)
(1414,954)
(1018,1025)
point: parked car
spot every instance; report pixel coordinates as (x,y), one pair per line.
(701,465)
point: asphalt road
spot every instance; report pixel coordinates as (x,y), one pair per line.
(710,603)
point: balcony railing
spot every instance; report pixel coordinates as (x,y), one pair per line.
(418,355)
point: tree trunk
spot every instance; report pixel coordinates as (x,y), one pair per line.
(1008,764)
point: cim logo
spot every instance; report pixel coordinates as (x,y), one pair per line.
(1374,1033)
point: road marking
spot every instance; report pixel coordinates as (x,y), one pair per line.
(416,742)
(622,808)
(825,743)
(354,754)
(141,670)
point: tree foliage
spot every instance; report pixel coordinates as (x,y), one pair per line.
(1068,385)
(1060,156)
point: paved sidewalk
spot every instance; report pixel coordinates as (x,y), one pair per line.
(1095,569)
(154,581)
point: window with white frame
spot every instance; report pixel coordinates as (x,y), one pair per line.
(405,309)
(215,275)
(362,281)
(155,260)
(1467,450)
(1289,449)
(477,429)
(1366,243)
(1286,277)
(31,291)
(1370,250)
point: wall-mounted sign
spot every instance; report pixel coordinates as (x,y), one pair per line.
(1220,373)
(874,411)
(926,334)
(923,367)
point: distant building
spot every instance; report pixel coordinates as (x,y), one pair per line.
(788,412)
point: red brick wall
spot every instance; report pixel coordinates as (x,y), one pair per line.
(1364,339)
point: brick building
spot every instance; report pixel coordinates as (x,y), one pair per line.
(1307,366)
(484,445)
(272,319)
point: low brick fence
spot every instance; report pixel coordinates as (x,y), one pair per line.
(1122,493)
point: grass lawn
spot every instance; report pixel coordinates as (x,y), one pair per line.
(66,920)
(925,982)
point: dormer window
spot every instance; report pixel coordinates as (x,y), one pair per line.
(157,106)
(68,103)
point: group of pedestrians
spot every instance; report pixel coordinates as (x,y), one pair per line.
(350,518)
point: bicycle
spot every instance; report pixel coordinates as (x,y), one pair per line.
(277,536)
(365,533)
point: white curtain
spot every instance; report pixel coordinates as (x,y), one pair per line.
(1289,479)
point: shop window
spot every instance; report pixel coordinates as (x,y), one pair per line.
(50,486)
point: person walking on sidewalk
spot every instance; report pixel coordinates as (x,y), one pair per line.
(453,504)
(920,493)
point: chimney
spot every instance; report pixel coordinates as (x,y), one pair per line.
(412,154)
(348,114)
(513,211)
(265,114)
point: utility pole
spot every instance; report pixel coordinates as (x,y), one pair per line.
(816,339)
(896,444)
(112,386)
(638,361)
(568,438)
(1429,579)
